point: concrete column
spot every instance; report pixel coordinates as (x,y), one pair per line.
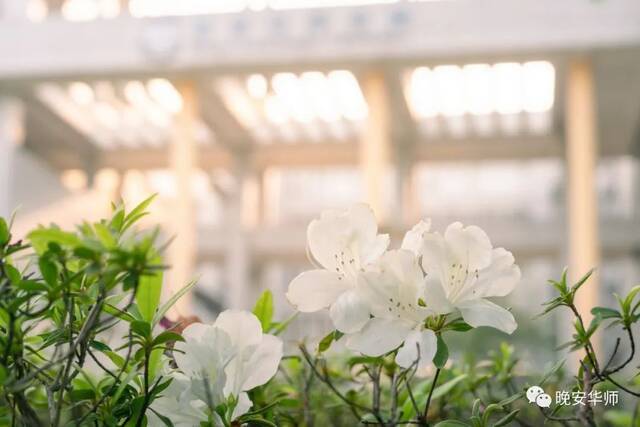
(181,253)
(582,198)
(375,147)
(237,258)
(406,197)
(11,136)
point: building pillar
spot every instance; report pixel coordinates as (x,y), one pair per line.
(181,254)
(375,144)
(11,136)
(582,198)
(406,196)
(237,257)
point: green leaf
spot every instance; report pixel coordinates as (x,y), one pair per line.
(442,353)
(115,358)
(117,219)
(3,372)
(149,290)
(582,281)
(83,394)
(167,336)
(264,309)
(100,346)
(137,212)
(123,384)
(13,274)
(630,297)
(605,313)
(325,342)
(509,400)
(49,271)
(475,410)
(363,360)
(459,325)
(451,423)
(279,327)
(141,328)
(170,302)
(555,368)
(41,237)
(507,418)
(116,312)
(446,388)
(5,235)
(32,286)
(167,422)
(104,235)
(154,361)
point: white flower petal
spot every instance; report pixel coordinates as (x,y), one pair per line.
(363,220)
(205,355)
(393,287)
(418,344)
(405,267)
(352,232)
(242,406)
(316,289)
(435,256)
(435,297)
(413,240)
(326,238)
(469,245)
(378,336)
(263,363)
(350,312)
(195,331)
(482,312)
(243,327)
(500,278)
(178,404)
(371,250)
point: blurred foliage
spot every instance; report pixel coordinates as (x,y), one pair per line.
(62,295)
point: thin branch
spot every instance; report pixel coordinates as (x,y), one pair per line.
(433,386)
(327,381)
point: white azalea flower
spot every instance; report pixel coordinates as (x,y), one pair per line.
(462,270)
(343,243)
(202,358)
(218,361)
(178,404)
(256,355)
(392,288)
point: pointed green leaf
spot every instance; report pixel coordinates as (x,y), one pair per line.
(582,280)
(49,271)
(167,336)
(164,308)
(149,291)
(442,353)
(137,212)
(4,232)
(264,309)
(605,313)
(41,237)
(325,342)
(504,421)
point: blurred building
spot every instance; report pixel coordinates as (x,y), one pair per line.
(248,117)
